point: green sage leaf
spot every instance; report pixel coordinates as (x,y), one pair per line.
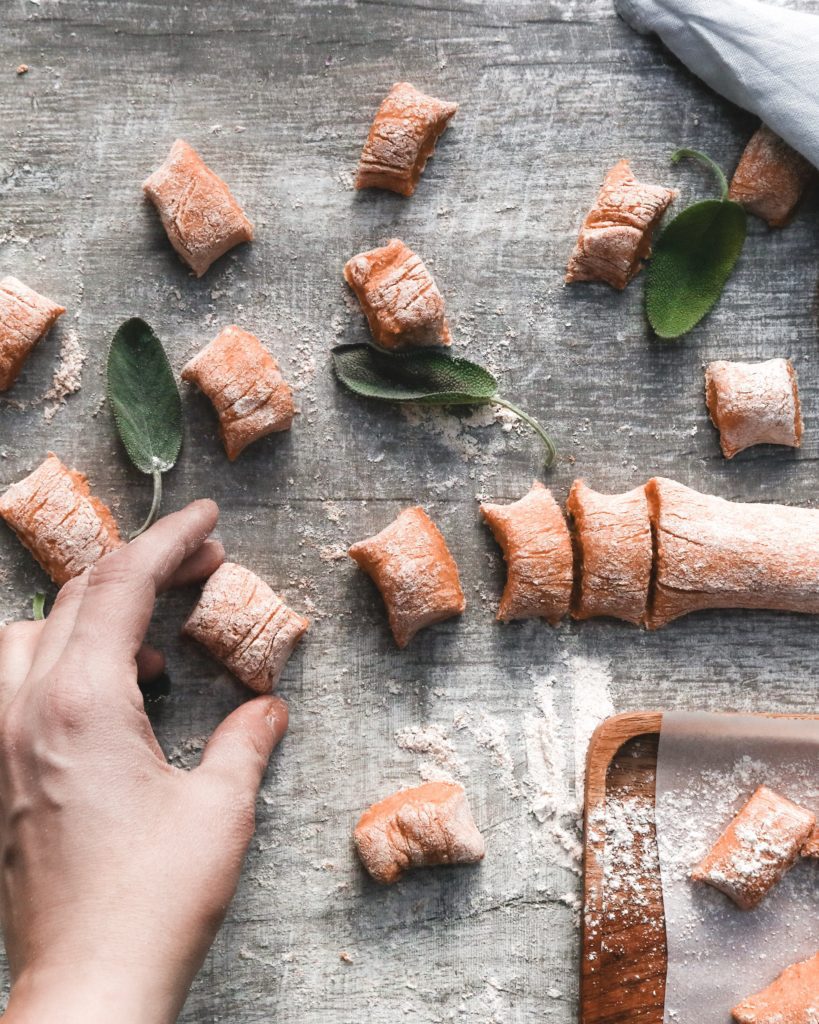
(144,398)
(693,258)
(426,377)
(38,607)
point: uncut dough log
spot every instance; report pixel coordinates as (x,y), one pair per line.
(246,626)
(713,553)
(537,548)
(25,317)
(399,297)
(402,138)
(246,387)
(793,998)
(413,568)
(753,403)
(616,233)
(198,211)
(58,519)
(613,536)
(757,848)
(421,827)
(770,178)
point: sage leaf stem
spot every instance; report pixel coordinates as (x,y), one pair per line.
(155,505)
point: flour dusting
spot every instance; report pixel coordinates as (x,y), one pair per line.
(67,378)
(590,679)
(442,764)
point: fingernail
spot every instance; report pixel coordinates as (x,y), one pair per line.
(277,715)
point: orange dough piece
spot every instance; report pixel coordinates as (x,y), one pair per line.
(713,553)
(246,626)
(198,210)
(411,565)
(402,138)
(753,403)
(792,999)
(613,534)
(811,847)
(757,848)
(416,828)
(244,382)
(399,297)
(770,178)
(536,545)
(56,517)
(25,317)
(616,235)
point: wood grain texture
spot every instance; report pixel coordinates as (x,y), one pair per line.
(278,96)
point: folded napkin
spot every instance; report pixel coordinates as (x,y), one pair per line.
(763,58)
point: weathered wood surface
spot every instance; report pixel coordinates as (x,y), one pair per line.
(278,97)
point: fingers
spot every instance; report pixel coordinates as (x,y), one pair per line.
(240,748)
(199,566)
(103,618)
(18,645)
(150,663)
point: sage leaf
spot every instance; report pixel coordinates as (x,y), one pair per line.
(693,258)
(424,377)
(38,607)
(145,402)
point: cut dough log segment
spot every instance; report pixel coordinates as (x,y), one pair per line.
(244,382)
(753,853)
(753,403)
(421,827)
(198,210)
(411,565)
(246,626)
(616,234)
(536,545)
(402,138)
(713,553)
(56,517)
(25,317)
(399,297)
(613,537)
(811,847)
(792,999)
(770,178)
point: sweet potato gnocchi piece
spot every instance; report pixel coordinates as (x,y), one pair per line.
(25,317)
(415,828)
(399,297)
(757,848)
(411,565)
(197,209)
(613,536)
(713,553)
(753,403)
(811,847)
(793,998)
(537,548)
(616,234)
(402,138)
(56,517)
(770,178)
(246,626)
(245,385)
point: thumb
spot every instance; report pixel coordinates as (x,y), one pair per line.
(241,746)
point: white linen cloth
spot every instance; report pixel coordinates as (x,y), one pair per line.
(763,58)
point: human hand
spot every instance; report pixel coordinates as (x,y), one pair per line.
(116,868)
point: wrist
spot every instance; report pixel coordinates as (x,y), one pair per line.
(96,992)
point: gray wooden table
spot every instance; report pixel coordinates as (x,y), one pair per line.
(278,97)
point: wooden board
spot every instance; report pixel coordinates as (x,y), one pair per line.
(278,95)
(624,956)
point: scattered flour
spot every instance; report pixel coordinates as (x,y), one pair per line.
(491,733)
(67,378)
(443,764)
(590,679)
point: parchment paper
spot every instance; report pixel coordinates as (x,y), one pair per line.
(707,767)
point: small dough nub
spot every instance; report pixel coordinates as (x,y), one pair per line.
(421,827)
(246,626)
(402,138)
(757,848)
(753,403)
(537,548)
(616,233)
(245,385)
(198,211)
(413,568)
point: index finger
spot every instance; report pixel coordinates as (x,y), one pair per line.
(115,599)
